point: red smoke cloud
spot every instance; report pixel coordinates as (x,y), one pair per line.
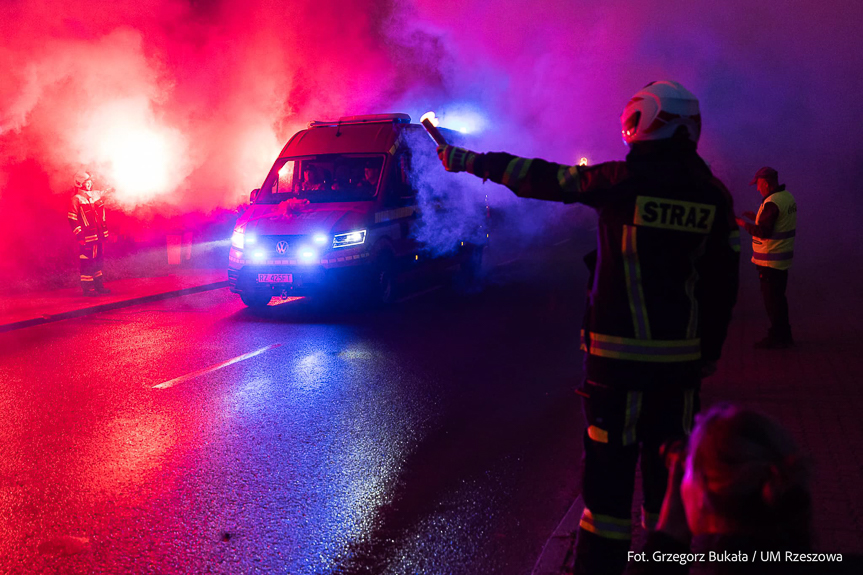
(187,103)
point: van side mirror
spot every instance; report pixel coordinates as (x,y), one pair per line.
(253,196)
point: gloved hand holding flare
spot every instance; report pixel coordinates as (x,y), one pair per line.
(454,159)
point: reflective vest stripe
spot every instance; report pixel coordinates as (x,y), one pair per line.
(773,257)
(606,525)
(76,231)
(73,216)
(632,268)
(688,408)
(86,278)
(777,251)
(633,410)
(652,350)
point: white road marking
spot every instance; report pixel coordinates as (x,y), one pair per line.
(507,262)
(563,242)
(418,294)
(194,374)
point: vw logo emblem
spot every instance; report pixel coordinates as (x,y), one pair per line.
(282,247)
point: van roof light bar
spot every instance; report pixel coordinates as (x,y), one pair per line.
(367,119)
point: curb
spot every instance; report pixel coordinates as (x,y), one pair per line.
(556,557)
(109,306)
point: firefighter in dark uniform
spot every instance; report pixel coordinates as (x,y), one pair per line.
(664,285)
(87,220)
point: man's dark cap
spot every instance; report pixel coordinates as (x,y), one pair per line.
(767,173)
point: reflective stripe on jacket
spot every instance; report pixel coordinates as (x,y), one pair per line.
(87,216)
(777,251)
(667,267)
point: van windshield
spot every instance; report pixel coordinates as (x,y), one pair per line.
(323,178)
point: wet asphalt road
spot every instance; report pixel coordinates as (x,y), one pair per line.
(439,436)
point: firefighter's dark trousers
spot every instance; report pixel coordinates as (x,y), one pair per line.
(620,424)
(773,285)
(91,257)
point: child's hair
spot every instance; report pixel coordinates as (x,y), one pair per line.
(753,473)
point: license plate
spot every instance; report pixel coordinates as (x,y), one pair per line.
(275,278)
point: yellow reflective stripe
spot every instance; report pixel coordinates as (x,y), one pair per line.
(692,325)
(649,520)
(73,216)
(86,278)
(632,268)
(97,275)
(688,407)
(633,410)
(568,178)
(597,434)
(515,172)
(651,350)
(606,525)
(77,230)
(693,356)
(652,343)
(468,165)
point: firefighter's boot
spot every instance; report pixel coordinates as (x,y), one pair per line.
(100,286)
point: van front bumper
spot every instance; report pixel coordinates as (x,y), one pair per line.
(341,269)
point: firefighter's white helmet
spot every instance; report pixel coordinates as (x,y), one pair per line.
(658,110)
(81,178)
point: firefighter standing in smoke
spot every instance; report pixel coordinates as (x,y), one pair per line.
(772,252)
(87,219)
(663,288)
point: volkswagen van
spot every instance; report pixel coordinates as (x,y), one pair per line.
(338,213)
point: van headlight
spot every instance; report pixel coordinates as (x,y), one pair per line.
(349,239)
(238,238)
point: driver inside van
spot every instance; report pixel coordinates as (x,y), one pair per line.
(312,179)
(371,173)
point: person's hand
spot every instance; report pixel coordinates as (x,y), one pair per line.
(455,159)
(740,222)
(672,516)
(750,215)
(708,368)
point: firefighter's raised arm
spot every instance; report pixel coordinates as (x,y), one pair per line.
(536,178)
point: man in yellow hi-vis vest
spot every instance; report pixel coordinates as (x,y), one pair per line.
(772,252)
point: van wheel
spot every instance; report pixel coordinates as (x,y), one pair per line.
(383,283)
(256,299)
